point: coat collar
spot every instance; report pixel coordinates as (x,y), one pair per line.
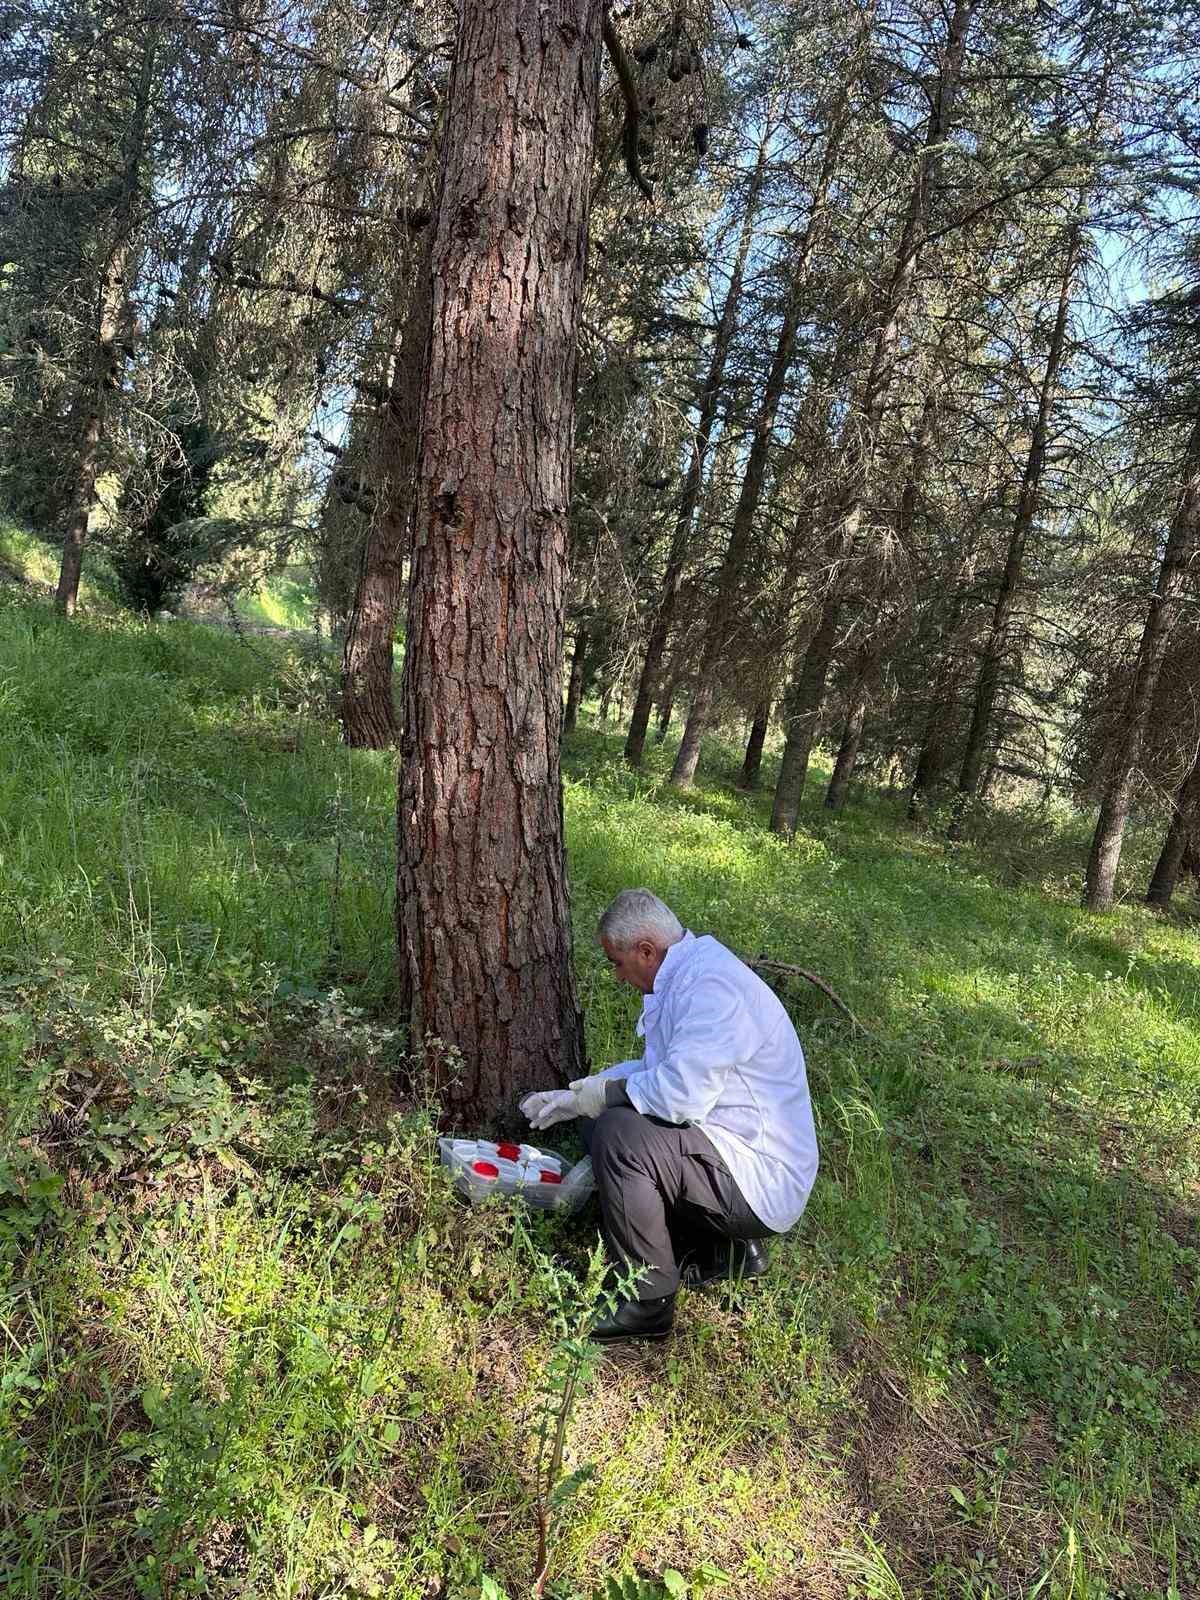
(671,962)
(674,959)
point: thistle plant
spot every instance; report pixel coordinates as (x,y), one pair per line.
(574,1304)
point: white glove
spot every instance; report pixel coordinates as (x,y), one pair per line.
(590,1095)
(547,1106)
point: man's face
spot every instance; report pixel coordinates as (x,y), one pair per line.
(636,964)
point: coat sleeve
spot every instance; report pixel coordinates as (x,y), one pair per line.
(711,1032)
(622,1069)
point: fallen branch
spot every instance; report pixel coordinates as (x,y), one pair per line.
(784,969)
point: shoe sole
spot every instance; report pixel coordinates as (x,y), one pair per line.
(723,1277)
(631,1335)
(631,1338)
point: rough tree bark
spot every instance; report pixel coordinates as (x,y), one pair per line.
(689,496)
(861,431)
(368,708)
(482,909)
(1182,541)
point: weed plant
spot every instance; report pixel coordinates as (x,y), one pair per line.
(252,1345)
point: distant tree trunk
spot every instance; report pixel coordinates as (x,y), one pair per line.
(575,681)
(665,712)
(93,411)
(803,711)
(860,434)
(1172,856)
(933,756)
(1181,544)
(987,685)
(894,770)
(752,765)
(689,497)
(1182,541)
(90,412)
(931,759)
(723,616)
(482,911)
(368,707)
(843,767)
(876,645)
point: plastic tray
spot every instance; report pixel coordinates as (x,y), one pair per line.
(542,1179)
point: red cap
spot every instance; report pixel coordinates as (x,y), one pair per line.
(549,1177)
(485,1169)
(510,1152)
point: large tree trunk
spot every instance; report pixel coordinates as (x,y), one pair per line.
(1182,541)
(1179,833)
(482,909)
(689,498)
(368,707)
(860,435)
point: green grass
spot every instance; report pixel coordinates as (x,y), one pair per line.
(31,562)
(285,600)
(249,1343)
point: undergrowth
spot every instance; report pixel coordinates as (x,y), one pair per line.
(251,1344)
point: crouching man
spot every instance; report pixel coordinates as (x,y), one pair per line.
(705,1147)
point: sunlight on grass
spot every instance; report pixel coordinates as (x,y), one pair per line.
(25,559)
(249,1343)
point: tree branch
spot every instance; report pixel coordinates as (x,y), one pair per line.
(631,131)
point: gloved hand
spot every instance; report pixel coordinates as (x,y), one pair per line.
(591,1095)
(545,1107)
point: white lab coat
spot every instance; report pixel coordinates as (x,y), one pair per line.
(721,1054)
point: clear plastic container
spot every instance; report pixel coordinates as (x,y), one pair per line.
(538,1177)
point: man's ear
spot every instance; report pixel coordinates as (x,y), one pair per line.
(647,949)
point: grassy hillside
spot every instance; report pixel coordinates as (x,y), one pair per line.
(250,1345)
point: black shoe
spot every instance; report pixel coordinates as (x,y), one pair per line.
(635,1319)
(734,1261)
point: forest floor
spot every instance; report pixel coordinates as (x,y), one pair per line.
(251,1344)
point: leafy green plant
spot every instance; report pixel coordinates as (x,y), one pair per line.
(573,1305)
(29,1188)
(671,1586)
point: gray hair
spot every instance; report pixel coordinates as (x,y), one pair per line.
(639,914)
